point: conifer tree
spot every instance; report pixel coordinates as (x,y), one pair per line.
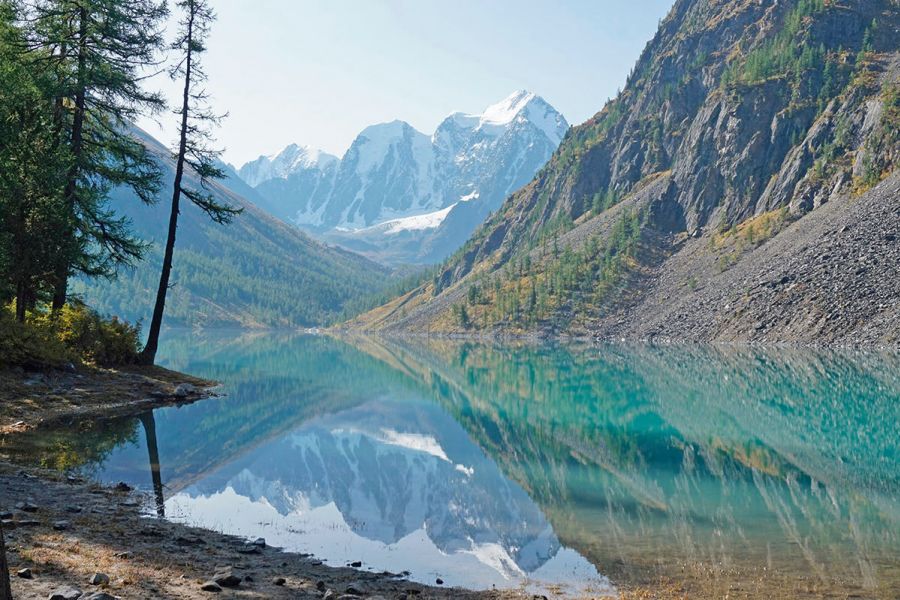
(98,51)
(193,153)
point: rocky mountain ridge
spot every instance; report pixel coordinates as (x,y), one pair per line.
(740,120)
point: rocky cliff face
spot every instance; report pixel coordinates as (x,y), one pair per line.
(740,116)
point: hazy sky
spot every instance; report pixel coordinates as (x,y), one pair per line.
(318,71)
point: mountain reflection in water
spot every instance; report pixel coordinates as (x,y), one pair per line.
(745,472)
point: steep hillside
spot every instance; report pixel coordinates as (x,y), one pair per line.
(746,129)
(256,272)
(402,196)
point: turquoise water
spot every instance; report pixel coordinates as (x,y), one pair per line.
(572,470)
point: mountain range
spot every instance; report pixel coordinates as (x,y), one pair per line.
(401,196)
(742,186)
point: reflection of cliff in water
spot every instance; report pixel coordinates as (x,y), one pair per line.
(392,468)
(748,469)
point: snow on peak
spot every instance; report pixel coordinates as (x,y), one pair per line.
(375,141)
(520,105)
(280,166)
(295,157)
(507,109)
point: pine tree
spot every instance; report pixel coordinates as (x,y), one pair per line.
(98,51)
(193,151)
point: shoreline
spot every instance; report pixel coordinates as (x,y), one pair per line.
(29,399)
(598,341)
(68,530)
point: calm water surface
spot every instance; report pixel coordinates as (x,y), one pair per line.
(751,473)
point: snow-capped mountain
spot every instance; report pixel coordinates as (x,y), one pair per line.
(292,159)
(403,196)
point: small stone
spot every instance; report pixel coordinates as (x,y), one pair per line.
(5,516)
(328,594)
(356,564)
(439,581)
(74,509)
(226,578)
(248,578)
(27,507)
(123,487)
(184,389)
(279,581)
(8,524)
(260,542)
(211,586)
(124,555)
(61,525)
(249,550)
(65,593)
(99,579)
(353,591)
(189,540)
(100,596)
(73,479)
(27,523)
(320,585)
(24,573)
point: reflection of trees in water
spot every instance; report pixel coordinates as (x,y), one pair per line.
(149,424)
(743,465)
(71,445)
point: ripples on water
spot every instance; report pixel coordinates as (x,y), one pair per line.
(753,473)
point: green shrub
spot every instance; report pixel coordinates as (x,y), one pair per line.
(23,344)
(76,335)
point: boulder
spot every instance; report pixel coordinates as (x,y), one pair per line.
(65,593)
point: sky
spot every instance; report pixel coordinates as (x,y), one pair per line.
(317,72)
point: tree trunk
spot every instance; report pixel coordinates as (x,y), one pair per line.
(62,271)
(5,590)
(20,302)
(148,355)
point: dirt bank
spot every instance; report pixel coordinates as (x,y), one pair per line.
(29,398)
